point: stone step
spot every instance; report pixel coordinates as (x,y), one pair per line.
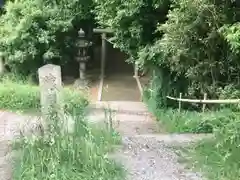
(98,116)
(120,106)
(126,124)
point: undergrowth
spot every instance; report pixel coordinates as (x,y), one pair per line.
(18,94)
(81,155)
(217,158)
(212,161)
(220,157)
(57,154)
(192,121)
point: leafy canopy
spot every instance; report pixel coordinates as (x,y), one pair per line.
(34,32)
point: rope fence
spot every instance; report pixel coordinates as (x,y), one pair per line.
(203,101)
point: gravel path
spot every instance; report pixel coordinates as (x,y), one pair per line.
(146,154)
(150,159)
(10,125)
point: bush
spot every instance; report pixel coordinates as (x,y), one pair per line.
(58,155)
(188,121)
(23,96)
(131,22)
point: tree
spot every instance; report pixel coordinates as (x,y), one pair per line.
(194,43)
(34,32)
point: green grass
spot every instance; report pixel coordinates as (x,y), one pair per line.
(23,96)
(187,121)
(218,159)
(78,156)
(184,121)
(210,160)
(81,155)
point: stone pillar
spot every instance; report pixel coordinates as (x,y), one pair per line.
(50,82)
(82,71)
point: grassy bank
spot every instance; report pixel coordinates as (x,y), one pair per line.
(218,158)
(214,161)
(20,95)
(192,121)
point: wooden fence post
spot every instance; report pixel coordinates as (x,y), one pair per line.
(179,102)
(103,54)
(204,105)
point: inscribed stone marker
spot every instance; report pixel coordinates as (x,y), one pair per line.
(50,82)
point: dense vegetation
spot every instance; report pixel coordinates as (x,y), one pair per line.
(35,32)
(191,46)
(80,154)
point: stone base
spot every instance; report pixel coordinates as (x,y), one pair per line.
(81,84)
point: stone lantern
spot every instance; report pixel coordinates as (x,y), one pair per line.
(82,58)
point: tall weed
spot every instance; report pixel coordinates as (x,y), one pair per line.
(80,155)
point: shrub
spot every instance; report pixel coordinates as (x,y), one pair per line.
(187,121)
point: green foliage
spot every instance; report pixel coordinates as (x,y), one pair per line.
(22,96)
(185,121)
(209,159)
(134,21)
(35,32)
(80,155)
(192,121)
(193,47)
(197,41)
(159,88)
(219,157)
(232,34)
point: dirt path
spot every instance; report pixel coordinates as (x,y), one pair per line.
(146,154)
(10,125)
